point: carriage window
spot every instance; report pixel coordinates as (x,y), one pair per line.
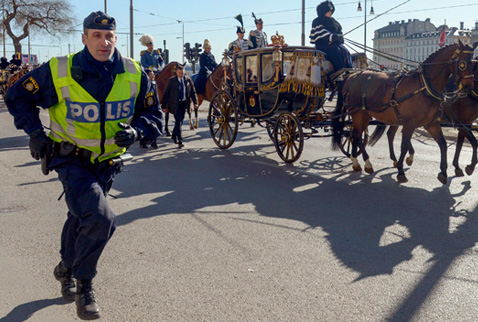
(287,62)
(239,69)
(251,69)
(268,67)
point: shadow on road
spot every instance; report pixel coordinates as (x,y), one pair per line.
(25,311)
(372,223)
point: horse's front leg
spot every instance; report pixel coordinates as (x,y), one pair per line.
(437,134)
(459,144)
(474,160)
(356,138)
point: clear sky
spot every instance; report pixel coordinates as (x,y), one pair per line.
(214,20)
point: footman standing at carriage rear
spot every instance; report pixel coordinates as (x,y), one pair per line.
(326,35)
(258,37)
(95,99)
(240,44)
(208,65)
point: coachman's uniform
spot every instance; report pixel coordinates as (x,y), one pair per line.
(326,35)
(240,45)
(258,38)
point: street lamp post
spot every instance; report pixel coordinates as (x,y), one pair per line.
(359,8)
(182,49)
(131,47)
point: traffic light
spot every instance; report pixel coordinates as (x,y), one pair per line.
(198,50)
(187,51)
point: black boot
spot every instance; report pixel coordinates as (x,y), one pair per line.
(86,306)
(68,283)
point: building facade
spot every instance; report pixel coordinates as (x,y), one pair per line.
(405,44)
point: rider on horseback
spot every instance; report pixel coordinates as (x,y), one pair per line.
(208,65)
(150,58)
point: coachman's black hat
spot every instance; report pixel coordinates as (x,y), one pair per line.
(99,20)
(325,7)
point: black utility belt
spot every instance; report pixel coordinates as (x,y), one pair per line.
(65,149)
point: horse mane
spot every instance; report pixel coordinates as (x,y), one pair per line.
(431,57)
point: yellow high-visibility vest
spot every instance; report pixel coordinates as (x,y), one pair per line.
(81,120)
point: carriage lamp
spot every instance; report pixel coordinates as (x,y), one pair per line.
(225,59)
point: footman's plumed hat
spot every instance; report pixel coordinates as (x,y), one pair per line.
(99,20)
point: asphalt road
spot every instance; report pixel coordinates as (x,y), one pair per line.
(237,235)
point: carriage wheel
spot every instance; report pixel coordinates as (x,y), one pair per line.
(288,137)
(270,124)
(346,146)
(223,119)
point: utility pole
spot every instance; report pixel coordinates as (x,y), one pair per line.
(303,24)
(3,29)
(131,47)
(106,10)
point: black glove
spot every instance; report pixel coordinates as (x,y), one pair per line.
(127,136)
(337,38)
(40,144)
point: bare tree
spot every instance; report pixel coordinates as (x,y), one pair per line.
(42,16)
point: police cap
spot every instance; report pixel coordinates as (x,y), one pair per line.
(99,20)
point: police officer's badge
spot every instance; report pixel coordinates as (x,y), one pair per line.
(149,99)
(31,85)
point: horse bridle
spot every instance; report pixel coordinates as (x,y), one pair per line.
(460,66)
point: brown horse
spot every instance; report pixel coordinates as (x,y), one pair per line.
(460,112)
(214,83)
(411,99)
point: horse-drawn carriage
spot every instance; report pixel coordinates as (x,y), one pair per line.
(284,89)
(280,88)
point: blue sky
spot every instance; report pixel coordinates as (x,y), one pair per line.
(215,21)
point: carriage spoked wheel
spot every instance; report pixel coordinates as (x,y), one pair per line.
(270,124)
(346,146)
(288,137)
(222,119)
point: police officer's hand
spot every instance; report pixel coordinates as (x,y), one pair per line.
(127,136)
(39,144)
(337,38)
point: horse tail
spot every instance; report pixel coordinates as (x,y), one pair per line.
(377,133)
(338,120)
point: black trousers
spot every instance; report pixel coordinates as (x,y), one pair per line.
(178,120)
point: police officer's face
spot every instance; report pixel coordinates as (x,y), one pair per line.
(100,43)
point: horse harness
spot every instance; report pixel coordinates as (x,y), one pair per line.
(461,65)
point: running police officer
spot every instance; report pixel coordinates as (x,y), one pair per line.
(95,100)
(258,37)
(150,58)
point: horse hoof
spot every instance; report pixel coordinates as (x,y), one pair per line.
(401,178)
(459,173)
(442,178)
(357,168)
(191,126)
(395,163)
(409,161)
(369,170)
(196,124)
(469,170)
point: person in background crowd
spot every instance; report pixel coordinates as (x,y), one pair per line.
(207,64)
(177,97)
(4,63)
(152,101)
(326,35)
(150,58)
(258,37)
(96,101)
